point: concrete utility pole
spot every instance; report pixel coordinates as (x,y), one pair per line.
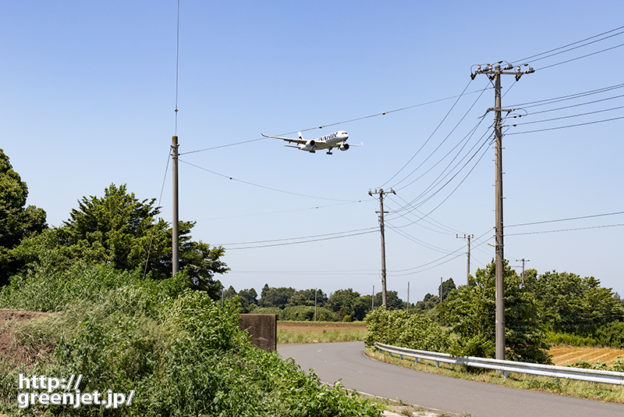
(494,72)
(175,256)
(315,291)
(468,237)
(523,261)
(407,306)
(373,299)
(381,193)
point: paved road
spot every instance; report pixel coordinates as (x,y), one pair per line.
(347,362)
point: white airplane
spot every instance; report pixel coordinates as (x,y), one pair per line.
(333,140)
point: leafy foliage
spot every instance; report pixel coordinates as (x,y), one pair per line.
(118,229)
(16,220)
(182,353)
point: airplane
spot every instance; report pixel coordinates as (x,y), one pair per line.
(333,140)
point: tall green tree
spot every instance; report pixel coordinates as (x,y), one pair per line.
(306,298)
(470,312)
(343,301)
(120,230)
(275,297)
(445,288)
(17,221)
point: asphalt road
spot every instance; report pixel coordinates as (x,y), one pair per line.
(346,362)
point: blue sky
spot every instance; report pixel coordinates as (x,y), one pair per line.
(89,92)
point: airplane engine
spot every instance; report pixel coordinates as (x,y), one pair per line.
(310,144)
(344,147)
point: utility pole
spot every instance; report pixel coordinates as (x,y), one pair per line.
(468,237)
(373,299)
(175,256)
(523,261)
(407,306)
(494,73)
(381,193)
(315,291)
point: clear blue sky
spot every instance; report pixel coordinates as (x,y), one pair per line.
(88,98)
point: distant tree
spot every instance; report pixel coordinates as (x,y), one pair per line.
(392,300)
(445,288)
(275,297)
(362,307)
(249,299)
(342,302)
(17,221)
(428,302)
(306,298)
(230,293)
(574,304)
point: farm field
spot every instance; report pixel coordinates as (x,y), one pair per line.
(567,355)
(319,332)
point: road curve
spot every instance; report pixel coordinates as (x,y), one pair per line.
(346,362)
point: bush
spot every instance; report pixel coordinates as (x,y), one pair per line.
(414,331)
(570,339)
(306,313)
(181,352)
(612,335)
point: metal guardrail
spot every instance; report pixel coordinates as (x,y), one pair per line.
(591,375)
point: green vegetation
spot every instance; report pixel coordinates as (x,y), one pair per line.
(562,386)
(16,221)
(182,353)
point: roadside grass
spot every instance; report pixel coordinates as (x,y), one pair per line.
(562,386)
(319,332)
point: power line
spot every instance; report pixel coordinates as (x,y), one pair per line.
(325,125)
(568,117)
(580,57)
(567,230)
(300,242)
(590,216)
(298,237)
(444,140)
(575,47)
(568,96)
(566,126)
(569,44)
(416,240)
(262,186)
(294,210)
(570,106)
(430,136)
(162,188)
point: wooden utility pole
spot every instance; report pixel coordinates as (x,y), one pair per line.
(494,72)
(381,193)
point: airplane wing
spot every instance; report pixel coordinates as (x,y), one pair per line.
(289,140)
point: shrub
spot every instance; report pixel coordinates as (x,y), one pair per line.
(612,334)
(181,352)
(570,339)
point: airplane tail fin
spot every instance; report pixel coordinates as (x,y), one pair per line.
(300,135)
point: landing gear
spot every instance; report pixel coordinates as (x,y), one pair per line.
(329,151)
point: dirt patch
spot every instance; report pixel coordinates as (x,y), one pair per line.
(9,349)
(565,355)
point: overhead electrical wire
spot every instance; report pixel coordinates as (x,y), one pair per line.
(325,125)
(430,135)
(442,141)
(566,230)
(580,57)
(415,239)
(294,210)
(301,242)
(570,106)
(565,219)
(567,45)
(567,117)
(565,127)
(298,237)
(278,190)
(543,102)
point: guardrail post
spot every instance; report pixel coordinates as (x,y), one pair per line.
(438,364)
(401,356)
(505,374)
(416,359)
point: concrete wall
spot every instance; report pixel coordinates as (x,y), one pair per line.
(262,328)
